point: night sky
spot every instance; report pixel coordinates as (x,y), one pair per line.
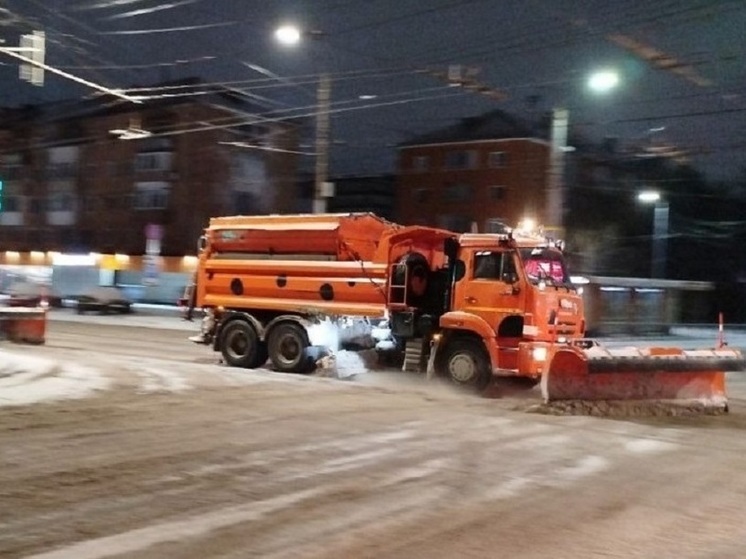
(681,64)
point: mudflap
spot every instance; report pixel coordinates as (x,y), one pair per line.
(658,374)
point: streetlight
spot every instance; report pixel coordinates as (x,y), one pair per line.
(660,231)
(598,82)
(603,81)
(288,35)
(291,35)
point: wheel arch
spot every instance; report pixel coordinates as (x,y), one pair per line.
(474,325)
(231,316)
(301,320)
(453,335)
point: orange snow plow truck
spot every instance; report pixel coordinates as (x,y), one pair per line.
(471,307)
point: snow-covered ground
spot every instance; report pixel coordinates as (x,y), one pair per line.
(26,378)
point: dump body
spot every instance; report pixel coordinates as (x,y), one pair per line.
(333,264)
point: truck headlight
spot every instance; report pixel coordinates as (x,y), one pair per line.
(540,353)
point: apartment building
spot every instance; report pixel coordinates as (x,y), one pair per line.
(96,175)
(481,172)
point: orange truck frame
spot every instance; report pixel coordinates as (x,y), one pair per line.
(466,306)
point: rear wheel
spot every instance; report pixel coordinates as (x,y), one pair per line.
(287,345)
(467,364)
(240,345)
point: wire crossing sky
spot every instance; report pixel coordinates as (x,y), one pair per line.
(681,64)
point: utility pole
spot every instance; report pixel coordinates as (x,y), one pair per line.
(556,175)
(322,188)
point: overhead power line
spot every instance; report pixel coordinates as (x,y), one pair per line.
(48,68)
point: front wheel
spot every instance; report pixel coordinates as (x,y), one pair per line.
(287,345)
(240,345)
(467,364)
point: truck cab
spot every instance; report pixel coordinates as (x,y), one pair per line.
(506,301)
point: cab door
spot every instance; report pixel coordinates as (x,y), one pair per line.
(489,287)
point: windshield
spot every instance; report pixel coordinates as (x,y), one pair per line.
(544,264)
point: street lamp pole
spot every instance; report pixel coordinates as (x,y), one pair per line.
(291,35)
(320,191)
(556,186)
(660,239)
(660,232)
(598,82)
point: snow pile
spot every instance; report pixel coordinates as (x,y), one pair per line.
(29,380)
(336,362)
(324,333)
(342,332)
(350,364)
(381,332)
(342,364)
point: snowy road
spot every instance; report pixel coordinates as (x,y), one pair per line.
(156,451)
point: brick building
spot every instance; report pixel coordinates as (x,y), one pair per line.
(484,170)
(369,193)
(73,184)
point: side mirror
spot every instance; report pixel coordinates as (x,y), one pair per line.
(202,243)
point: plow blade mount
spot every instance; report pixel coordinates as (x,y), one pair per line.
(657,373)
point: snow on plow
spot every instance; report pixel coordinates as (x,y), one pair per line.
(659,375)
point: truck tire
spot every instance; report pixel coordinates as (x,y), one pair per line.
(465,363)
(287,343)
(240,346)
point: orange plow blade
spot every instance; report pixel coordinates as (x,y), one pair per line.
(642,374)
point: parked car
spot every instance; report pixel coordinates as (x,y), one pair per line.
(104,300)
(28,294)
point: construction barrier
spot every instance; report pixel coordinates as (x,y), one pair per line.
(24,324)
